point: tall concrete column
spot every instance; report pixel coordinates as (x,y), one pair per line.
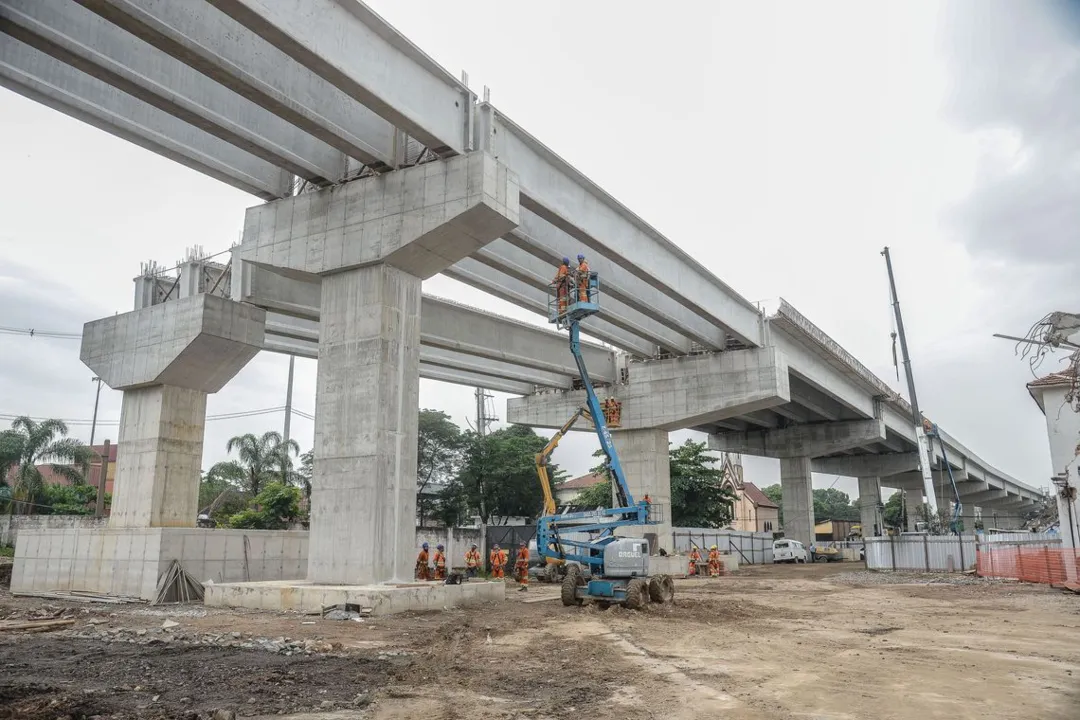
(159,465)
(913,502)
(363,507)
(646,461)
(797,498)
(870,506)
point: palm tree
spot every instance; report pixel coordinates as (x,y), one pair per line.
(29,444)
(263,459)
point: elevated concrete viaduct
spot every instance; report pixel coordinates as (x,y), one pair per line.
(380,169)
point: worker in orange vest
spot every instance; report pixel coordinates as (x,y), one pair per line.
(695,558)
(521,566)
(562,284)
(583,279)
(497,559)
(423,572)
(472,561)
(440,562)
(714,562)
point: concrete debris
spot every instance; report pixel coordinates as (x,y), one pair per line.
(169,634)
(169,624)
(868,577)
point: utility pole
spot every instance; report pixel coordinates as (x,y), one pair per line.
(917,418)
(97,399)
(288,399)
(103,476)
(483,419)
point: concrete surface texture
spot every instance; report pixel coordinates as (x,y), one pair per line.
(159,462)
(363,501)
(130,561)
(420,219)
(870,506)
(913,502)
(675,393)
(311,597)
(644,457)
(814,440)
(12,525)
(797,499)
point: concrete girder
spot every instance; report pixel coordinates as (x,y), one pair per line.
(564,197)
(443,324)
(972,487)
(33,74)
(810,441)
(503,257)
(78,37)
(859,466)
(814,400)
(759,419)
(484,366)
(475,274)
(462,375)
(346,43)
(227,52)
(978,499)
(549,245)
(674,393)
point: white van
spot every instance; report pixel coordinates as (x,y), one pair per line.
(787,550)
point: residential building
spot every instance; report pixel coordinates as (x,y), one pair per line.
(754,511)
(567,492)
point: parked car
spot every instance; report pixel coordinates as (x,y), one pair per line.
(788,551)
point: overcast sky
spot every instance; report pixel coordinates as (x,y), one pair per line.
(782,144)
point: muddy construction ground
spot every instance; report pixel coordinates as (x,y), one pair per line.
(816,641)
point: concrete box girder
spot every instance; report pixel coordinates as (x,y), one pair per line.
(77,36)
(421,219)
(674,393)
(801,440)
(346,43)
(867,465)
(230,54)
(199,343)
(38,76)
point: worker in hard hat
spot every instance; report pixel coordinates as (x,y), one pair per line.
(440,562)
(472,561)
(562,284)
(521,566)
(695,558)
(423,571)
(497,560)
(582,278)
(714,562)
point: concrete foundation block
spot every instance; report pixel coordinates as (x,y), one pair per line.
(306,597)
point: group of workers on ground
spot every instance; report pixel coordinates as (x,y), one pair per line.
(566,278)
(716,566)
(498,559)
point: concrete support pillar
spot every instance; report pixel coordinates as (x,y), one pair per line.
(913,502)
(797,499)
(870,506)
(363,505)
(646,461)
(158,472)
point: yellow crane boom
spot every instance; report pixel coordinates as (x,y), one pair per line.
(544,456)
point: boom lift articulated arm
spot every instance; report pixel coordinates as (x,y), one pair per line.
(544,457)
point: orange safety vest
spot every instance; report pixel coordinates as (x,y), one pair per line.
(422,558)
(523,556)
(583,281)
(440,558)
(497,558)
(472,558)
(560,277)
(714,556)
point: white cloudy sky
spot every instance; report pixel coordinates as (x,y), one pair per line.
(783,144)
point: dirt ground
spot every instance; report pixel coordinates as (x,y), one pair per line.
(813,641)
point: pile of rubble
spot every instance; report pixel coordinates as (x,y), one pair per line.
(171,632)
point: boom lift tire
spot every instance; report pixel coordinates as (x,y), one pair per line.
(637,594)
(570,583)
(661,589)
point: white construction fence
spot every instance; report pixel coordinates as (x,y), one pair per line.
(921,553)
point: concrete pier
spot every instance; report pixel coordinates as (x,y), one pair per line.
(644,457)
(870,506)
(364,501)
(798,499)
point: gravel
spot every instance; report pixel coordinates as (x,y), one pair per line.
(167,636)
(869,577)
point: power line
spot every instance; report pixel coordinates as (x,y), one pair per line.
(33,332)
(219,416)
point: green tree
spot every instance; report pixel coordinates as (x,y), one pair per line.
(438,457)
(833,504)
(698,497)
(67,500)
(594,496)
(498,473)
(29,444)
(451,508)
(274,508)
(894,514)
(306,471)
(776,494)
(262,460)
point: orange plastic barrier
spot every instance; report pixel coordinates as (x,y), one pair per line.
(1045,565)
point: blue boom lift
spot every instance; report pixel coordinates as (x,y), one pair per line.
(618,568)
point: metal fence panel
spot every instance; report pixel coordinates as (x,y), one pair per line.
(751,548)
(921,553)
